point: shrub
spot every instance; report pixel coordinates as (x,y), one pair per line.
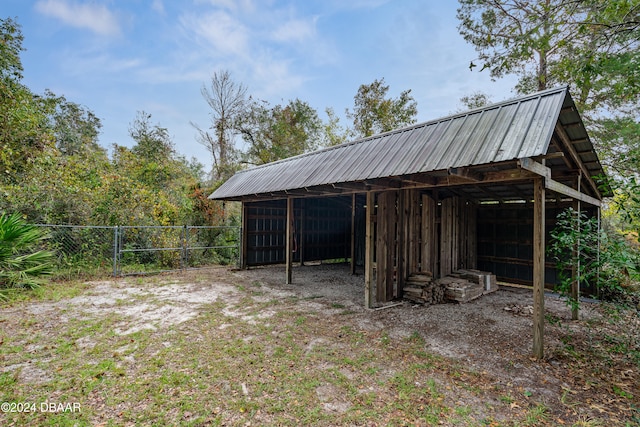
(21,264)
(601,256)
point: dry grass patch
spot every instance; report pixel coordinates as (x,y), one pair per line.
(230,348)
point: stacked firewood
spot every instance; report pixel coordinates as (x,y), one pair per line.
(420,288)
(461,286)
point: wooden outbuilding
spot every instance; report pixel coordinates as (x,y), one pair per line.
(476,190)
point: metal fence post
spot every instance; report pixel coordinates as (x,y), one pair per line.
(240,247)
(185,247)
(115,251)
(120,247)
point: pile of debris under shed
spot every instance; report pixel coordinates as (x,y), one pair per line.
(461,286)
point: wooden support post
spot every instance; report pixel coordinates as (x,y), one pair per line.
(384,254)
(369,282)
(244,236)
(538,266)
(353,233)
(289,238)
(575,270)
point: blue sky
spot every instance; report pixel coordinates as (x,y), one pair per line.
(117,57)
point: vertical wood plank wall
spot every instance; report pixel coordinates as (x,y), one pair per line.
(458,235)
(401,231)
(414,232)
(407,238)
(429,244)
(386,245)
(369,248)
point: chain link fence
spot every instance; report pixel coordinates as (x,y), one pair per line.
(125,250)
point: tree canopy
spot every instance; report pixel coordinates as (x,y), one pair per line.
(277,132)
(375,113)
(593,46)
(53,169)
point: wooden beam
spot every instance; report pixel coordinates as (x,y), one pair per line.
(566,142)
(384,183)
(369,282)
(535,167)
(465,173)
(568,191)
(350,186)
(289,244)
(538,266)
(420,179)
(545,172)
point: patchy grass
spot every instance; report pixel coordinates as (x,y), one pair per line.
(252,357)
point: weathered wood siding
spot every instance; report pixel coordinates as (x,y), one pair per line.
(458,238)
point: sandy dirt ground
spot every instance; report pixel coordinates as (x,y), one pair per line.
(491,335)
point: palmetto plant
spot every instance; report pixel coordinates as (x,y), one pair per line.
(21,266)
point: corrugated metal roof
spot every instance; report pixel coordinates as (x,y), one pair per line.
(518,128)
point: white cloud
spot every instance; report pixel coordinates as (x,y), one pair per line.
(158,6)
(274,78)
(297,30)
(232,5)
(86,62)
(220,31)
(94,17)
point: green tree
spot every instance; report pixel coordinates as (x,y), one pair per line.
(591,45)
(474,100)
(375,113)
(274,133)
(149,184)
(11,39)
(153,142)
(76,128)
(24,117)
(333,133)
